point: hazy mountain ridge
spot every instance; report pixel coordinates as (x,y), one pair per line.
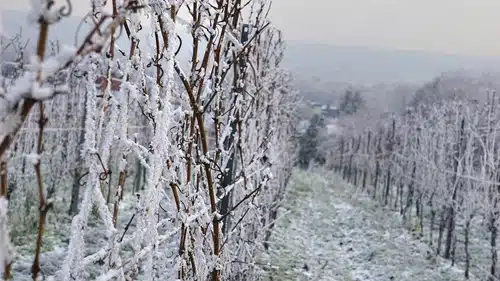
(365,65)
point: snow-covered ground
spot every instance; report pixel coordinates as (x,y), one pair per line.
(330,232)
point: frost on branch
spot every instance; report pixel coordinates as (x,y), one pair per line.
(6,251)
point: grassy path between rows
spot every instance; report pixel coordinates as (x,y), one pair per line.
(330,232)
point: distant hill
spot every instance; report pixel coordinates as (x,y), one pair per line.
(321,71)
(321,63)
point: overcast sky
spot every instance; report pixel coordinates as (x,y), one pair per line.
(468,27)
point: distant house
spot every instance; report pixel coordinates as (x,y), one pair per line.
(103,83)
(302,126)
(327,110)
(11,69)
(330,111)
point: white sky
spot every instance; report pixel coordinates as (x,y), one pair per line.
(450,26)
(469,27)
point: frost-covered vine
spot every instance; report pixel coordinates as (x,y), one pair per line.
(437,165)
(146,166)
